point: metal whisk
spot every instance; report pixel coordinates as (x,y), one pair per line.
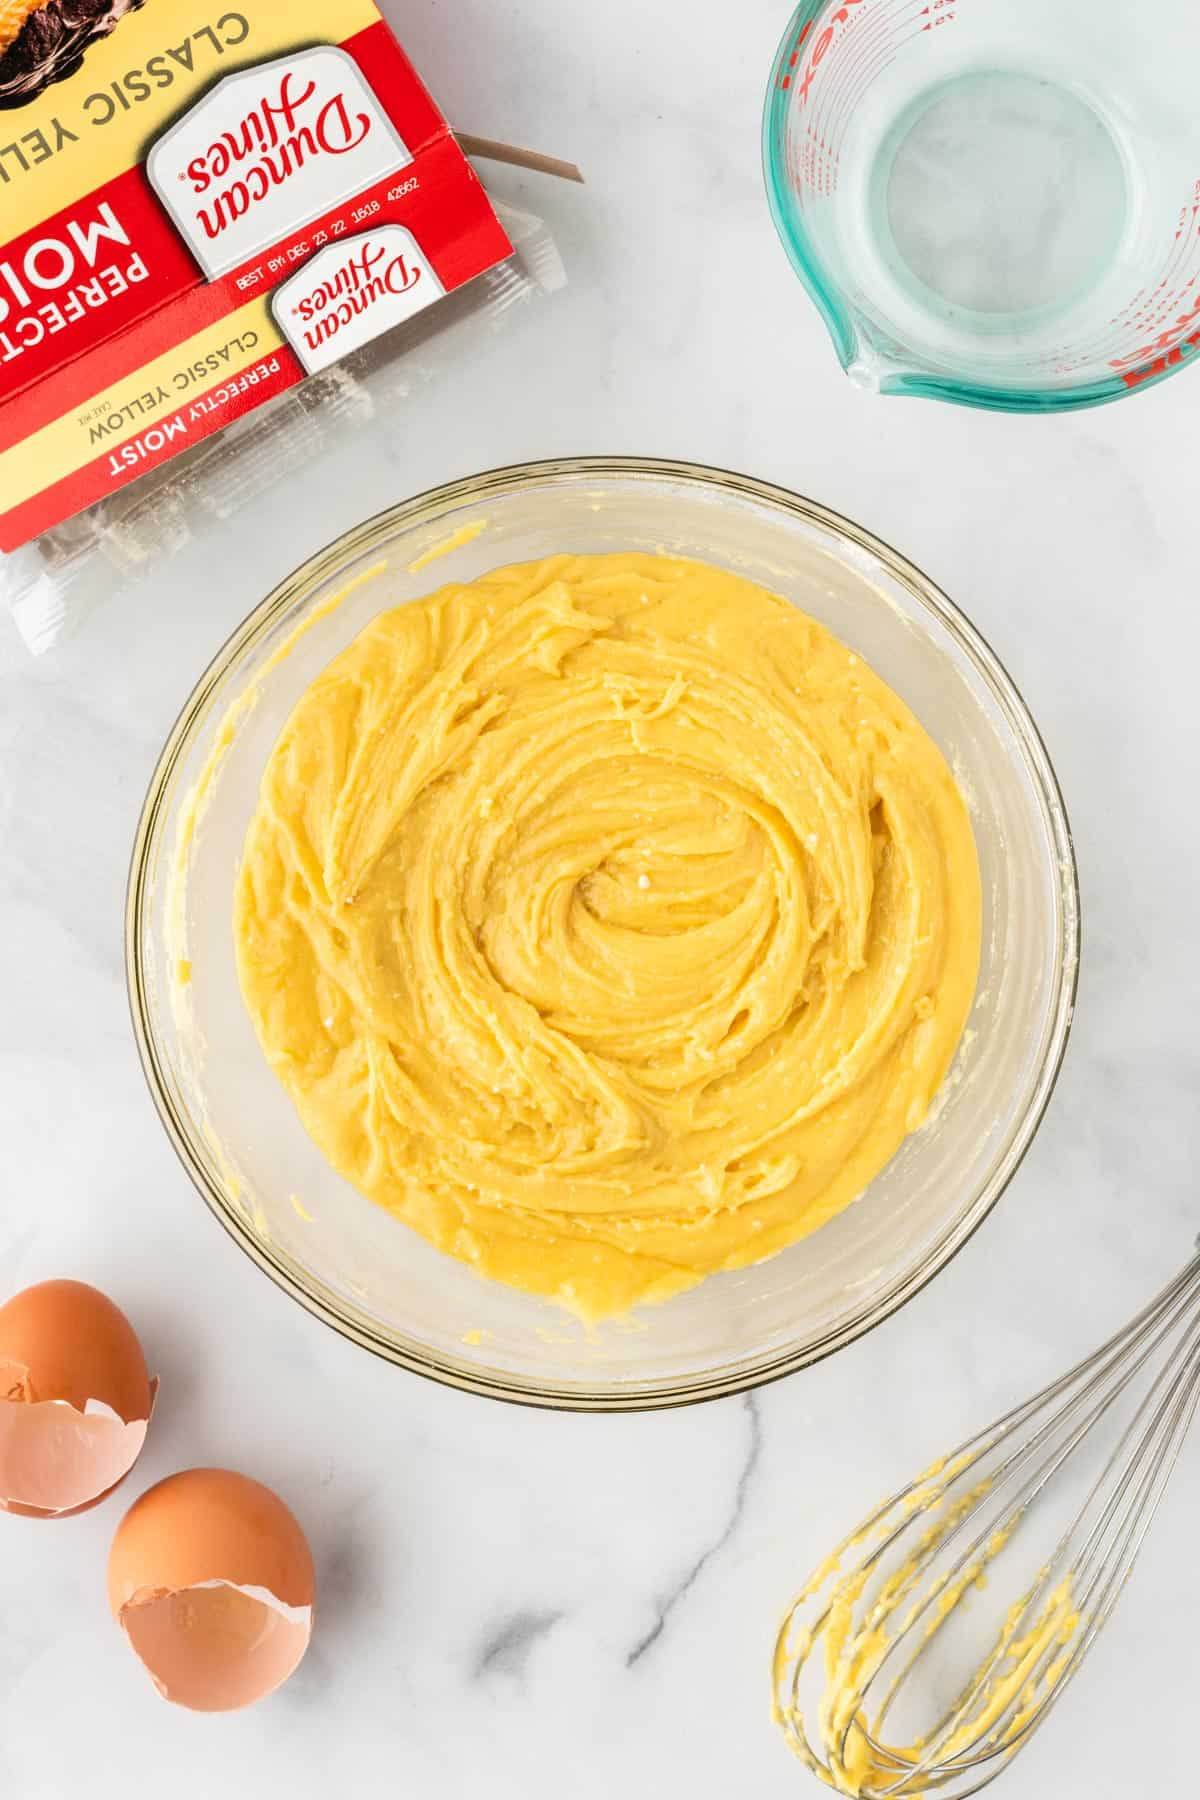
(868,1635)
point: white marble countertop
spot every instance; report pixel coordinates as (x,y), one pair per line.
(519,1605)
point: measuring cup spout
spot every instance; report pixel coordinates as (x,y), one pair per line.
(874,371)
(866,373)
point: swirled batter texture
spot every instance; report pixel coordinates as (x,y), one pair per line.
(608,921)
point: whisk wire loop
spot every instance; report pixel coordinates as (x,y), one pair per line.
(878,1604)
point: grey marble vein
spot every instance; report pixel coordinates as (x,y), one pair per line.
(687,1581)
(507,1648)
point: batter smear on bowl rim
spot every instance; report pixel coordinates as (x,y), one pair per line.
(608,921)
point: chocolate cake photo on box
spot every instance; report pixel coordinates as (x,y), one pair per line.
(46,40)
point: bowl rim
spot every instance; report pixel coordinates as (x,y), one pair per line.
(751,1371)
(840,318)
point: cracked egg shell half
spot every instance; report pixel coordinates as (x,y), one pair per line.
(75,1399)
(211,1579)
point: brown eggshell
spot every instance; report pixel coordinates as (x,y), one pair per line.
(64,1340)
(73,1373)
(212,1580)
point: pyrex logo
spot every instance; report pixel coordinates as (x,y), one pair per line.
(351,292)
(268,150)
(820,46)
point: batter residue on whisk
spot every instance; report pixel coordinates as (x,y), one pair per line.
(867,1618)
(608,921)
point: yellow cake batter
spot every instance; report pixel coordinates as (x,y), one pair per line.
(607,921)
(871,1617)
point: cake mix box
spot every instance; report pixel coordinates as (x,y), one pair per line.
(200,206)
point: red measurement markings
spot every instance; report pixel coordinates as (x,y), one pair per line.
(939,12)
(866,48)
(816,174)
(838,70)
(785,73)
(1185,326)
(1170,318)
(1170,359)
(881,56)
(1186,227)
(1163,315)
(1137,321)
(794,161)
(820,171)
(1182,248)
(872,45)
(835,18)
(1171,294)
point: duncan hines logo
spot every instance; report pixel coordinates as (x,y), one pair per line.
(351,292)
(270,149)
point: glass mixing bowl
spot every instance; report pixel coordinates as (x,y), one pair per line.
(368,1275)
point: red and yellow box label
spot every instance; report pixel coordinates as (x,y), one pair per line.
(157,197)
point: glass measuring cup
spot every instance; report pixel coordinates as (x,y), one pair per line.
(995,202)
